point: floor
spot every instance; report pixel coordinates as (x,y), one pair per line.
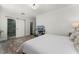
(10,46)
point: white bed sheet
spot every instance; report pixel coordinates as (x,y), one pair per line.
(49,44)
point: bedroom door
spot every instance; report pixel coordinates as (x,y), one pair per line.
(19,28)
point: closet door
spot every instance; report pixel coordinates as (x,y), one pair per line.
(19,28)
(11,28)
(27,27)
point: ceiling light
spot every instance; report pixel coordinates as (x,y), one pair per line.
(34,6)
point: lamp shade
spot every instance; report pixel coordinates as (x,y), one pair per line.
(75,24)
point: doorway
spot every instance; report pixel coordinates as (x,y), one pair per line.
(11,28)
(31,28)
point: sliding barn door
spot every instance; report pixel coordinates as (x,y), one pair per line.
(19,28)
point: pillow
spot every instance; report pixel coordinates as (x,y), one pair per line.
(76,43)
(73,36)
(76,40)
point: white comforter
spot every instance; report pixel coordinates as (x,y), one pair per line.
(48,44)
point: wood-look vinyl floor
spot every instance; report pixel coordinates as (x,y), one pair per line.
(10,46)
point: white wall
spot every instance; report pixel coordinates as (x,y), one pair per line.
(3,27)
(59,21)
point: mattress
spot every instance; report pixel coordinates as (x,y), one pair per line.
(48,44)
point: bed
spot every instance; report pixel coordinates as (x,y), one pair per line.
(48,44)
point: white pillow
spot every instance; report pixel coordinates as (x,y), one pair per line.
(73,36)
(76,41)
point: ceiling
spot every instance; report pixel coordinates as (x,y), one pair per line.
(27,11)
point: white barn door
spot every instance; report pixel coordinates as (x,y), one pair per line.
(19,28)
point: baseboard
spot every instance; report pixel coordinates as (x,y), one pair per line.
(14,38)
(3,41)
(22,36)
